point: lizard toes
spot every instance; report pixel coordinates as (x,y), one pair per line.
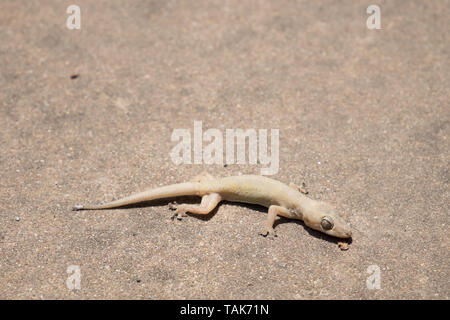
(178,215)
(175,216)
(173,206)
(269,234)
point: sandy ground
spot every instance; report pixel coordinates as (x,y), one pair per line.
(363,117)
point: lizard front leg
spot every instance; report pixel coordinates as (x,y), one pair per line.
(209,202)
(274,211)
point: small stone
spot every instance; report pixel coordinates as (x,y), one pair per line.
(17,219)
(343,246)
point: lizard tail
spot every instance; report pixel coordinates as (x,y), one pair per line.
(174,190)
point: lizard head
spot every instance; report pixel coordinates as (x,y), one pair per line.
(322,217)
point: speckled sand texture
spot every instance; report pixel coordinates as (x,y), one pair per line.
(87,116)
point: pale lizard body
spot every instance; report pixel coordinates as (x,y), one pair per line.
(281,199)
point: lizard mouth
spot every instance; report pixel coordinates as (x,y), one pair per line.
(339,232)
(347,233)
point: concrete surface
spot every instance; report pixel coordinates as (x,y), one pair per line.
(363,118)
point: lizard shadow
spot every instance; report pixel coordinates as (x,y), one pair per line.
(160,202)
(189,200)
(312,232)
(254,207)
(281,220)
(166,201)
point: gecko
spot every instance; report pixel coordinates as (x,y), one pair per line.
(288,201)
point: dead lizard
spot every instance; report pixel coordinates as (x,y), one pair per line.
(281,199)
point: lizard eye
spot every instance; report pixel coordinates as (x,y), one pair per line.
(326,224)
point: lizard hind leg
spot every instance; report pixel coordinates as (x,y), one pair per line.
(209,202)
